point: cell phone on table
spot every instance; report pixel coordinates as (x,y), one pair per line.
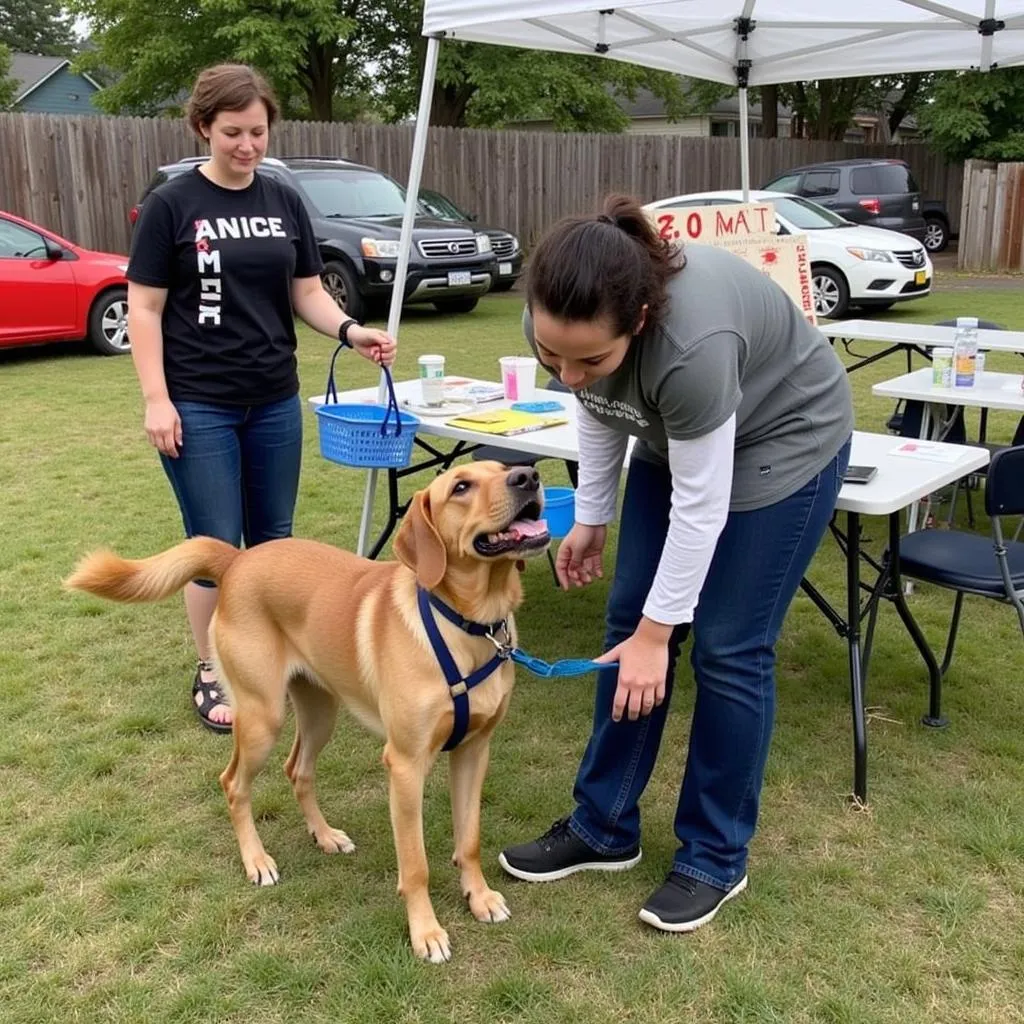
(859,474)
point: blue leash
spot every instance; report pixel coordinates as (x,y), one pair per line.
(497,632)
(557,669)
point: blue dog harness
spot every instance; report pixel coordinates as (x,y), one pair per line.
(498,633)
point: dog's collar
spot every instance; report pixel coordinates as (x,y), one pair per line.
(458,684)
(496,632)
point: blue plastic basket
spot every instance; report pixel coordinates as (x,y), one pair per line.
(365,436)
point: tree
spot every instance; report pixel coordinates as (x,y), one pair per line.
(977,114)
(156,47)
(825,109)
(491,86)
(36,26)
(8,86)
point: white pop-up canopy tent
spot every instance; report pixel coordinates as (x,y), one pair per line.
(738,42)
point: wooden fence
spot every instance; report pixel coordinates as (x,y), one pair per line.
(992,217)
(79,176)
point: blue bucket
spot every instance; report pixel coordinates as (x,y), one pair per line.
(559,510)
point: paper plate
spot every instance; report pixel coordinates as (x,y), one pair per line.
(444,409)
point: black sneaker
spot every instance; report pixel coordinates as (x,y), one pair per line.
(683,904)
(560,853)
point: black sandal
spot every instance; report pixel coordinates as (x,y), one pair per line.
(210,696)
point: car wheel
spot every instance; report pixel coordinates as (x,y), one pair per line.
(831,293)
(108,323)
(456,305)
(340,284)
(936,234)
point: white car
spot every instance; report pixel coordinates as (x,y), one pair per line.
(852,265)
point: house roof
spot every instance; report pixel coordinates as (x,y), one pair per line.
(647,104)
(30,71)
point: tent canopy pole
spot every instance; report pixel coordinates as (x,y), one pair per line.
(419,149)
(744,145)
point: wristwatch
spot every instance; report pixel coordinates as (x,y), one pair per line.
(346,326)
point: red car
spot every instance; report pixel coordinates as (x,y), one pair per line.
(54,290)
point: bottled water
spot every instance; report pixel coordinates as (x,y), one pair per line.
(965,349)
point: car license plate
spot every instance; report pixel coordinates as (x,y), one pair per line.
(504,269)
(458,278)
(921,277)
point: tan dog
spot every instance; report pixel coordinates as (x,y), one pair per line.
(323,626)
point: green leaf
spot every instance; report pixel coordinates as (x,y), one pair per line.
(975,114)
(36,26)
(8,86)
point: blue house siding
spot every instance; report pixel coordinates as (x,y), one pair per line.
(63,93)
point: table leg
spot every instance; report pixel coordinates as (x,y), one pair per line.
(934,717)
(366,517)
(924,434)
(395,512)
(860,733)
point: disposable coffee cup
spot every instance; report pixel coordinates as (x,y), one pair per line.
(942,367)
(518,377)
(431,379)
(979,365)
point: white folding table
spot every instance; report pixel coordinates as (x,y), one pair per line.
(900,482)
(910,338)
(991,391)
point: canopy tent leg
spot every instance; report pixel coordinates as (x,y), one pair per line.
(744,145)
(419,149)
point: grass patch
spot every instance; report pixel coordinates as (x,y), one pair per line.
(122,896)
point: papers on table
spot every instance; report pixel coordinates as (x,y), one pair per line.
(928,450)
(506,422)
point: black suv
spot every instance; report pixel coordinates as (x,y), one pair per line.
(504,244)
(880,193)
(357,217)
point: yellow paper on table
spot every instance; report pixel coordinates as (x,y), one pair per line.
(505,421)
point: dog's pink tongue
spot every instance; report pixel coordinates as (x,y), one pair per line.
(529,527)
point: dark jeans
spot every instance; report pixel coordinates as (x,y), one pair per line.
(758,564)
(237,473)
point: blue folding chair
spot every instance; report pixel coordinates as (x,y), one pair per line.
(973,563)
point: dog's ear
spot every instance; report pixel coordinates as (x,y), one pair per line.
(418,544)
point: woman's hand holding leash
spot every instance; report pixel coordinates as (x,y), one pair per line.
(578,561)
(163,426)
(371,343)
(643,666)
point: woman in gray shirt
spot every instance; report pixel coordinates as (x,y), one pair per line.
(743,417)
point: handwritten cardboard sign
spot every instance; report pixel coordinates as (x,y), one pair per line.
(748,230)
(708,225)
(785,259)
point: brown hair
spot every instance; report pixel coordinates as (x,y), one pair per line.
(227,87)
(610,266)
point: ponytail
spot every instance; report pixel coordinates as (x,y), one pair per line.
(609,266)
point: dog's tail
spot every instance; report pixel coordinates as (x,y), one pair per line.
(150,579)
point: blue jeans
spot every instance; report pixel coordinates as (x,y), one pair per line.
(237,473)
(757,566)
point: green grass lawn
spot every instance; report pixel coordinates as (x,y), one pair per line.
(122,897)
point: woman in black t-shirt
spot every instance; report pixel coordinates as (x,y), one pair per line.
(222,259)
